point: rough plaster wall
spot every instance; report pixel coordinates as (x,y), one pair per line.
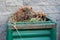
(7,7)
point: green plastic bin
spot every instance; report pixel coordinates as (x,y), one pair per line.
(42,30)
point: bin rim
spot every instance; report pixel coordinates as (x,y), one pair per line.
(50,22)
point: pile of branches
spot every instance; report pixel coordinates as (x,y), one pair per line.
(27,14)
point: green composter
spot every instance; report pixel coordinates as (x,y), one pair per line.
(42,30)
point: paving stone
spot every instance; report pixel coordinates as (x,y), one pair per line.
(8,7)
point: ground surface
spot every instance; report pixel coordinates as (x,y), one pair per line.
(7,7)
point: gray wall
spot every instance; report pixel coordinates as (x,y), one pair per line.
(7,7)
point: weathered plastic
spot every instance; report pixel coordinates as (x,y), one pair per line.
(32,33)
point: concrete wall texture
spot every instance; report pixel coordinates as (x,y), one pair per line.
(7,7)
